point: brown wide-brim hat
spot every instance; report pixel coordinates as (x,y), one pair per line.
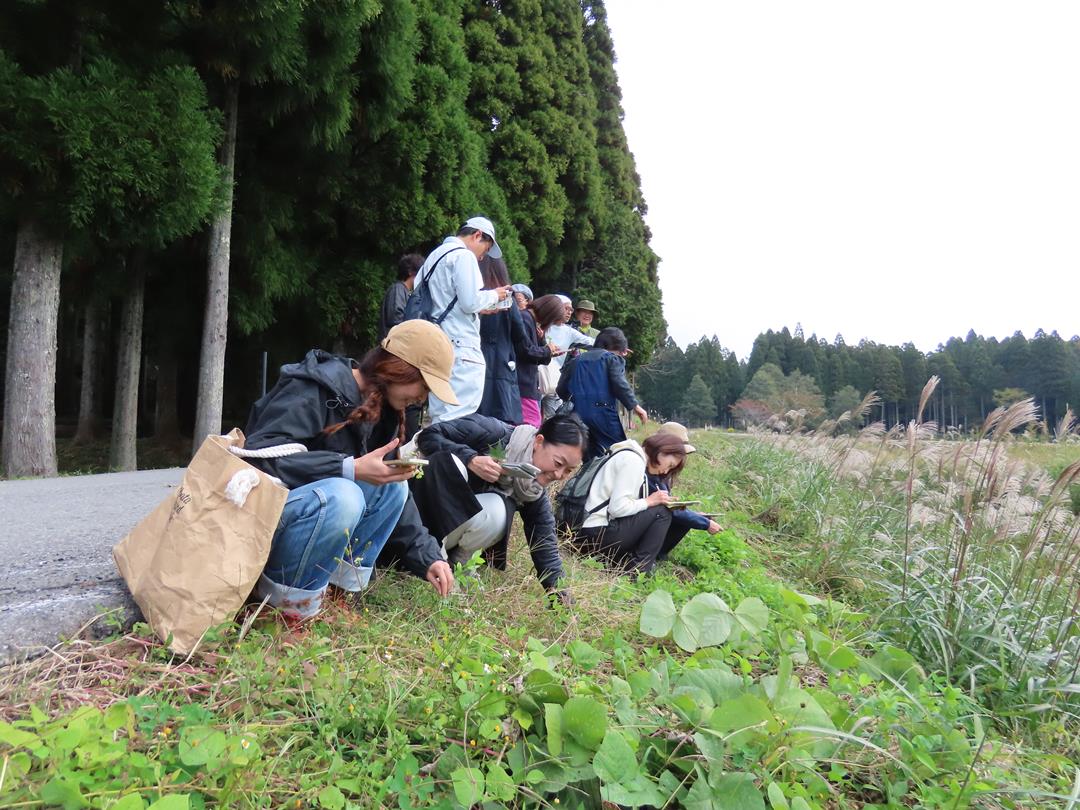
(424,345)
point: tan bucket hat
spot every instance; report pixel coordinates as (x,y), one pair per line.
(422,344)
(680,431)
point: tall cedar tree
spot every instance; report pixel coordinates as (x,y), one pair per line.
(265,62)
(90,145)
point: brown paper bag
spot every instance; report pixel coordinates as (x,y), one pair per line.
(193,561)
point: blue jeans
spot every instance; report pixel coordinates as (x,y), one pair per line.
(330,531)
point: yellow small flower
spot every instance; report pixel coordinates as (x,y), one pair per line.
(472,743)
(245,744)
(352,708)
(427,710)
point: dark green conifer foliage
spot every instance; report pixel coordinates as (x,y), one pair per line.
(698,407)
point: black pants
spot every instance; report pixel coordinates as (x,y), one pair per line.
(632,542)
(675,533)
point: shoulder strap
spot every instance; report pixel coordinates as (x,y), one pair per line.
(599,467)
(427,277)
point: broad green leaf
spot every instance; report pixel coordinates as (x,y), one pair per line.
(19,763)
(657,614)
(721,684)
(615,760)
(897,665)
(712,747)
(641,682)
(118,715)
(16,737)
(523,718)
(543,687)
(777,798)
(638,793)
(584,655)
(842,657)
(331,798)
(692,704)
(585,720)
(684,635)
(831,653)
(736,791)
(753,615)
(799,708)
(500,787)
(704,621)
(201,745)
(468,785)
(555,777)
(61,792)
(553,720)
(799,803)
(174,801)
(745,713)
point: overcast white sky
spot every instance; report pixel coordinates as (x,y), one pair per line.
(894,171)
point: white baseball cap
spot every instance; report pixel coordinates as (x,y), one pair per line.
(485,226)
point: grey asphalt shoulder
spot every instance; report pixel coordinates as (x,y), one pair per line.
(56,540)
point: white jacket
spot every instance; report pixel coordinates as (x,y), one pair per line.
(621,482)
(458,275)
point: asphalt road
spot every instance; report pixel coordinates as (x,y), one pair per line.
(56,539)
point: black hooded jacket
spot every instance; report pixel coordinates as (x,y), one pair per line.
(309,396)
(467,438)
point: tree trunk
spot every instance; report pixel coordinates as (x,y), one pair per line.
(122,448)
(166,417)
(216,320)
(91,368)
(29,443)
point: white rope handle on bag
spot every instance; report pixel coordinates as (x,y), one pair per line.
(269,452)
(242,482)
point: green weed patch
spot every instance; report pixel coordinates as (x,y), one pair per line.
(709,685)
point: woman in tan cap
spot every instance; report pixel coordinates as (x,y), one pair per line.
(345,501)
(682,520)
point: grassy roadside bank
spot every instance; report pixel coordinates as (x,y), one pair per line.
(765,694)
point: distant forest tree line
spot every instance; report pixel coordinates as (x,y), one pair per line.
(181,178)
(708,384)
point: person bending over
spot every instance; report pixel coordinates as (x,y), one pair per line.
(669,436)
(595,382)
(344,501)
(468,497)
(624,523)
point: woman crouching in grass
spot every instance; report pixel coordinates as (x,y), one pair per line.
(623,522)
(344,500)
(468,497)
(682,520)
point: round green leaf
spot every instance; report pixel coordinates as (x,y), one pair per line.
(585,720)
(657,614)
(331,798)
(468,785)
(753,615)
(705,622)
